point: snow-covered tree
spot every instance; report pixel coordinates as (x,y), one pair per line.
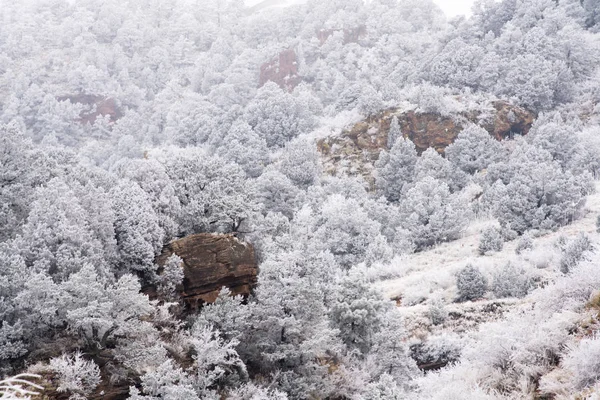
(474,150)
(139,235)
(491,241)
(277,116)
(471,283)
(432,214)
(395,170)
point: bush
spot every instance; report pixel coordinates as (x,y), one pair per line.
(511,281)
(437,312)
(598,224)
(491,241)
(471,283)
(76,375)
(584,362)
(574,252)
(525,243)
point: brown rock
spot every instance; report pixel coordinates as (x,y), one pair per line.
(95,106)
(282,70)
(356,149)
(211,262)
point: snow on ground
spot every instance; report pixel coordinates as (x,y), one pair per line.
(431,273)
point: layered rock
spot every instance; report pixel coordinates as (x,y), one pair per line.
(211,262)
(356,149)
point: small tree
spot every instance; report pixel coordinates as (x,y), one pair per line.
(511,281)
(490,241)
(574,252)
(437,311)
(76,375)
(471,283)
(394,132)
(525,243)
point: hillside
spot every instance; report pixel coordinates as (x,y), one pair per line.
(332,200)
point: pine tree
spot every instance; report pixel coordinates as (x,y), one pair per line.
(471,283)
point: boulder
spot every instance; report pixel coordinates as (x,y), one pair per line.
(356,149)
(210,262)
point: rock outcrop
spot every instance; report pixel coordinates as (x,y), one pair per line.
(211,262)
(95,106)
(283,70)
(356,149)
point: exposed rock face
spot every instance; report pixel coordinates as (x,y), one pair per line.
(95,106)
(211,262)
(282,70)
(356,149)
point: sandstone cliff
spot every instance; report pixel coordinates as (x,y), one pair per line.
(211,262)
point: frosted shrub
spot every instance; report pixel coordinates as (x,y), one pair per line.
(471,283)
(437,312)
(76,375)
(511,281)
(491,241)
(439,349)
(598,224)
(584,362)
(525,243)
(171,277)
(574,252)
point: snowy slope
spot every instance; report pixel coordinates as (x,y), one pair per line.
(431,274)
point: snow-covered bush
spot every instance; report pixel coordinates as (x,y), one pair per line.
(491,241)
(437,311)
(584,362)
(76,375)
(471,283)
(510,281)
(171,277)
(525,243)
(574,252)
(20,387)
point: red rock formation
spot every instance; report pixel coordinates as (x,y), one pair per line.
(355,151)
(282,70)
(211,262)
(94,106)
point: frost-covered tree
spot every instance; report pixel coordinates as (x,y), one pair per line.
(277,116)
(574,252)
(152,177)
(471,283)
(432,214)
(393,133)
(437,311)
(170,278)
(300,162)
(57,237)
(395,170)
(245,148)
(277,193)
(533,192)
(76,375)
(511,281)
(214,195)
(474,150)
(491,240)
(139,235)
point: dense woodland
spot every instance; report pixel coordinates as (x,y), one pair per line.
(194,142)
